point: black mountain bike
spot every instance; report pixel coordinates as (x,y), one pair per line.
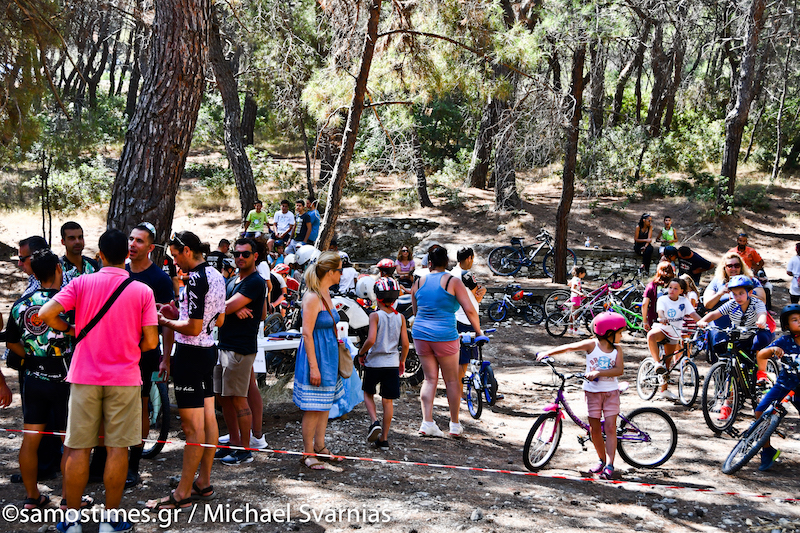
(508,260)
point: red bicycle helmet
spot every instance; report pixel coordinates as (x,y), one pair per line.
(282,269)
(607,323)
(519,295)
(387,289)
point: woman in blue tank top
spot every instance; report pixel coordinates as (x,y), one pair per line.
(436,298)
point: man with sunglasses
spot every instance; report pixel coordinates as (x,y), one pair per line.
(141,243)
(245,308)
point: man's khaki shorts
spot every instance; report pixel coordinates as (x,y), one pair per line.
(118,408)
(232,374)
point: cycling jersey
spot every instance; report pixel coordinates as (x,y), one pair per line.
(203,299)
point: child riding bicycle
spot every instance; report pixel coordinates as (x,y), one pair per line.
(603,365)
(787,381)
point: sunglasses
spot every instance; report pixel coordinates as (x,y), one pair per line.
(339,270)
(174,237)
(241,254)
(23,258)
(406,251)
(734,265)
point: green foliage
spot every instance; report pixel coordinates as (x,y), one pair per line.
(752,196)
(278,174)
(209,128)
(441,129)
(212,177)
(87,185)
(448,183)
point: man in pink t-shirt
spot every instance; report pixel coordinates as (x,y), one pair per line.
(104,373)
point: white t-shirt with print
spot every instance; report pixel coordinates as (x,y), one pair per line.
(674,311)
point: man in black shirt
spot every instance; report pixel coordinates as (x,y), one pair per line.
(304,222)
(217,257)
(141,243)
(245,309)
(692,263)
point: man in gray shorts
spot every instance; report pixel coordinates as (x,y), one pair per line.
(245,308)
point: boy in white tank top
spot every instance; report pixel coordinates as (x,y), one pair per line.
(383,362)
(603,366)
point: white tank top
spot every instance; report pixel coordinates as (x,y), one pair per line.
(597,359)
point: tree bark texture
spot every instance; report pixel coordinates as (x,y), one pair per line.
(505,176)
(736,118)
(160,132)
(136,74)
(574,104)
(597,88)
(351,129)
(482,152)
(661,65)
(232,124)
(635,64)
(678,57)
(419,169)
(249,118)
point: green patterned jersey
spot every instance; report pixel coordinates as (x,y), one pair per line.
(47,351)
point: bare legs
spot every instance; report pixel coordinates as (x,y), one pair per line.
(606,449)
(431,366)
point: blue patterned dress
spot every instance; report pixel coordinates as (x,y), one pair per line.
(306,396)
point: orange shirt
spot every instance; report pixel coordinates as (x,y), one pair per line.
(750,256)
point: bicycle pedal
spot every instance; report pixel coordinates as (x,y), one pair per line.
(733,432)
(781,434)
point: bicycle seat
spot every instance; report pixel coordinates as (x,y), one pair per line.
(481,340)
(623,386)
(516,240)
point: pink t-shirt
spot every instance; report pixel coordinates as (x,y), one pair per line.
(109,354)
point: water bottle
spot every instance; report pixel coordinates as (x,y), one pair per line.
(588,242)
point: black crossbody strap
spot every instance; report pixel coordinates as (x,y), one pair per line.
(85,331)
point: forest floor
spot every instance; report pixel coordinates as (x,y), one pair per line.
(688,493)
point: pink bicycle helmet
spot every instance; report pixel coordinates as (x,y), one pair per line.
(607,323)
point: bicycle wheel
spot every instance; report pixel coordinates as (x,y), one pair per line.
(688,383)
(542,441)
(556,301)
(489,384)
(549,263)
(647,381)
(498,311)
(413,375)
(556,324)
(719,389)
(647,437)
(273,324)
(505,260)
(474,400)
(158,410)
(534,314)
(751,442)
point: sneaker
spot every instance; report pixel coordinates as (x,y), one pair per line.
(259,443)
(499,396)
(374,431)
(456,429)
(579,332)
(239,457)
(762,378)
(725,412)
(224,439)
(383,444)
(768,458)
(608,472)
(222,453)
(430,429)
(596,469)
(667,395)
(660,368)
(115,527)
(69,527)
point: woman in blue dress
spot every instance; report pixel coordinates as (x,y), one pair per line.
(317,384)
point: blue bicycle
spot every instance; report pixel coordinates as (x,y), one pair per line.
(480,381)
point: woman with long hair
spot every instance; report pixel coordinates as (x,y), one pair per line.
(664,274)
(404,266)
(317,384)
(435,299)
(730,265)
(642,241)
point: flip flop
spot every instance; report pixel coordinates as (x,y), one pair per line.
(326,451)
(202,494)
(313,463)
(170,503)
(36,503)
(86,502)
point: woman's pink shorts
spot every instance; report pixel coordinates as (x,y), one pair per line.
(602,403)
(437,349)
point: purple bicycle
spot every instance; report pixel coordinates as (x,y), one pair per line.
(646,437)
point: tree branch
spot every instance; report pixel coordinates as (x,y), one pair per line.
(390,102)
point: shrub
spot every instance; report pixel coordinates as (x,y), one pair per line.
(80,187)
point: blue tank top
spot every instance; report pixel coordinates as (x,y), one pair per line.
(436,311)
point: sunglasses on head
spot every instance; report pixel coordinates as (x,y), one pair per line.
(174,237)
(242,254)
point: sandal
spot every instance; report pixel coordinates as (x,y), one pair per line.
(313,463)
(202,494)
(36,503)
(169,503)
(86,502)
(332,459)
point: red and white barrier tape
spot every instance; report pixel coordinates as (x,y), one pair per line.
(452,467)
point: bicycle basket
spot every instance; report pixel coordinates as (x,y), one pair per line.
(519,295)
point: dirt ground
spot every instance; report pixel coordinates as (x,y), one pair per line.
(410,497)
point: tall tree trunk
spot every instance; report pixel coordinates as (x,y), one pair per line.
(136,74)
(112,67)
(232,124)
(301,124)
(736,119)
(505,175)
(160,132)
(597,92)
(482,152)
(574,104)
(678,56)
(351,129)
(661,65)
(779,126)
(419,169)
(249,118)
(635,64)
